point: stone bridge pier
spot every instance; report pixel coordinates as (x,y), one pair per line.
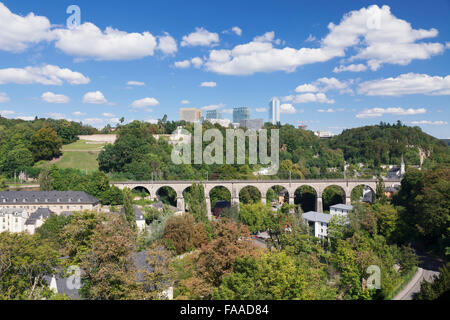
(235,187)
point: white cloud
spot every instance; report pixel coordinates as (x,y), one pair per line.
(287,108)
(182,64)
(55,115)
(266,37)
(95,97)
(379,37)
(409,83)
(308,97)
(261,110)
(47,75)
(109,115)
(326,110)
(51,97)
(4,97)
(431,123)
(208,84)
(145,102)
(78,113)
(306,88)
(152,121)
(167,44)
(197,62)
(310,38)
(378,112)
(392,40)
(17,33)
(6,112)
(227,111)
(185,101)
(26,118)
(89,42)
(351,67)
(237,30)
(135,83)
(93,121)
(201,37)
(213,106)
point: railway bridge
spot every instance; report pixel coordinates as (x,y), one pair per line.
(235,186)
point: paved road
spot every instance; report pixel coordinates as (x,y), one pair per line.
(428,267)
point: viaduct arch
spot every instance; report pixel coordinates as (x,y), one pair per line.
(235,186)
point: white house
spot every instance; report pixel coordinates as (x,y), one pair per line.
(340,209)
(318,222)
(20,220)
(13,219)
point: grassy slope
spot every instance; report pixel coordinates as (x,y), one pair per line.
(78,155)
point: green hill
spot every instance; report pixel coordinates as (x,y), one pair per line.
(386,143)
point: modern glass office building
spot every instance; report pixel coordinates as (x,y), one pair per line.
(274,111)
(213,114)
(240,114)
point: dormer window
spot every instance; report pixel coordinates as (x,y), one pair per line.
(46,200)
(57,200)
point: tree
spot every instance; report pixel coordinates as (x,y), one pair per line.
(52,229)
(45,179)
(109,272)
(273,276)
(254,216)
(45,144)
(195,198)
(24,261)
(130,215)
(159,275)
(77,235)
(438,289)
(216,259)
(182,234)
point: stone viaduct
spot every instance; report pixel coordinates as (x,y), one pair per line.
(235,186)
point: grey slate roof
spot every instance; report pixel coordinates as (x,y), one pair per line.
(317,216)
(61,285)
(40,213)
(342,206)
(51,197)
(13,211)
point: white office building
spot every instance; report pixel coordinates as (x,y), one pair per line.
(274,111)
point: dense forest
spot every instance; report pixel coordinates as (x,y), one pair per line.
(137,155)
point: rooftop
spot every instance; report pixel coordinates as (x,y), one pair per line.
(53,197)
(317,216)
(342,206)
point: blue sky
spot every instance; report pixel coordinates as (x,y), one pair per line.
(334,65)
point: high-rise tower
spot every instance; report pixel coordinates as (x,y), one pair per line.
(274,111)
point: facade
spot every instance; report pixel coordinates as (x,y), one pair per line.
(13,220)
(56,201)
(255,124)
(213,114)
(190,114)
(241,114)
(340,209)
(318,222)
(274,111)
(324,134)
(21,220)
